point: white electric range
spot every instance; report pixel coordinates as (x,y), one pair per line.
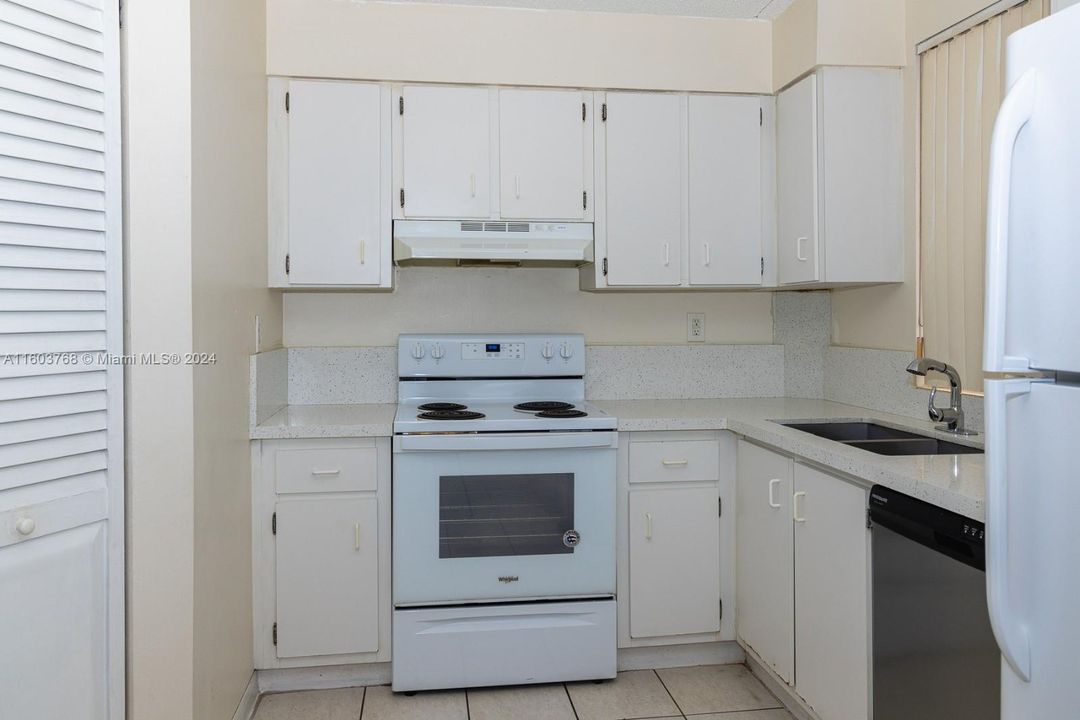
(503,514)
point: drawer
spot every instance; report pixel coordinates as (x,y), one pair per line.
(675,460)
(338,469)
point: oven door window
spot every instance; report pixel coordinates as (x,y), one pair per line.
(506,515)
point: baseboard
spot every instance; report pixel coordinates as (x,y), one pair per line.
(669,656)
(324,677)
(248,700)
(778,687)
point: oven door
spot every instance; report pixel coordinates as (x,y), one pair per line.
(514,516)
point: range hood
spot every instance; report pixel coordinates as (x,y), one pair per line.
(465,242)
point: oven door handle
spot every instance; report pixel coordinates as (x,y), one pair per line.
(495,441)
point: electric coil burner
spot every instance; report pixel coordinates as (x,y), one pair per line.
(542,405)
(442,406)
(561,413)
(503,514)
(450,414)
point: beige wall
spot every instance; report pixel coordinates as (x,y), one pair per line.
(837,32)
(521,299)
(884,317)
(515,46)
(159,427)
(195,275)
(228,243)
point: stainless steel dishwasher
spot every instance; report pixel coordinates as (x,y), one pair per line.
(934,655)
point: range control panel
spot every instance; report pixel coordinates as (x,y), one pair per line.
(492,355)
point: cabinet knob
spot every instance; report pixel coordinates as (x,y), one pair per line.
(25,526)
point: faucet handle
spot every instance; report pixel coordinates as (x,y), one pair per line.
(936,413)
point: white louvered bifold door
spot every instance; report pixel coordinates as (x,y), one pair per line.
(61,405)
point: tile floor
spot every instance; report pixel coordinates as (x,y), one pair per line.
(708,692)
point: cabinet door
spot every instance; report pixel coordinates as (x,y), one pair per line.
(542,154)
(831,595)
(674,562)
(725,190)
(446,152)
(797,183)
(764,557)
(53,624)
(336,183)
(327,576)
(645,151)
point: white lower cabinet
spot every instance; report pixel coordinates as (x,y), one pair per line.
(330,607)
(832,648)
(674,561)
(803,579)
(676,542)
(321,551)
(765,557)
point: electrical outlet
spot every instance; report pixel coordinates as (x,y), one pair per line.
(695,327)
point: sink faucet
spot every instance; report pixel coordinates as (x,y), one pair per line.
(952,416)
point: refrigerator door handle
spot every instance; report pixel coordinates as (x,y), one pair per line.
(1011,634)
(1016,111)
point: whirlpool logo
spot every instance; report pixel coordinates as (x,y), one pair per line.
(508,578)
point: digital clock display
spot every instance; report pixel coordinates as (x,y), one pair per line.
(492,347)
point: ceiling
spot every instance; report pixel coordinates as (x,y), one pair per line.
(764,9)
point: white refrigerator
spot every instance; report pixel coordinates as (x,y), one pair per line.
(1033,328)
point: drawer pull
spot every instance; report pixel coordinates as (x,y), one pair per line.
(648,526)
(674,463)
(325,473)
(795,507)
(772,495)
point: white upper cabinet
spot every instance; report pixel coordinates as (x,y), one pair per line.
(796,182)
(446,152)
(725,228)
(644,156)
(544,163)
(329,189)
(839,178)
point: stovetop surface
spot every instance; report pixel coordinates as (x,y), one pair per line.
(499,416)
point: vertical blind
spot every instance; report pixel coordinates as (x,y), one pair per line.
(960,89)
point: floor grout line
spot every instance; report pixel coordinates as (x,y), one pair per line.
(668,691)
(566,689)
(468,713)
(363,699)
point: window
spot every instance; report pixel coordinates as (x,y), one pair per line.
(961,78)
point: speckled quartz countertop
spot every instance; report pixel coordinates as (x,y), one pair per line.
(327,421)
(953,482)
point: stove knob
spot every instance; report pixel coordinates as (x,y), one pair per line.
(437,351)
(418,351)
(566,351)
(547,351)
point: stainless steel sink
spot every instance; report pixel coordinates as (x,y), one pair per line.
(881,439)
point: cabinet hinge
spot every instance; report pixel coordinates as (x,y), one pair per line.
(401,105)
(603,112)
(273,524)
(760,116)
(869,522)
(604,267)
(584,199)
(720,507)
(275,633)
(401,197)
(286,103)
(287,264)
(763,267)
(120,13)
(721,608)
